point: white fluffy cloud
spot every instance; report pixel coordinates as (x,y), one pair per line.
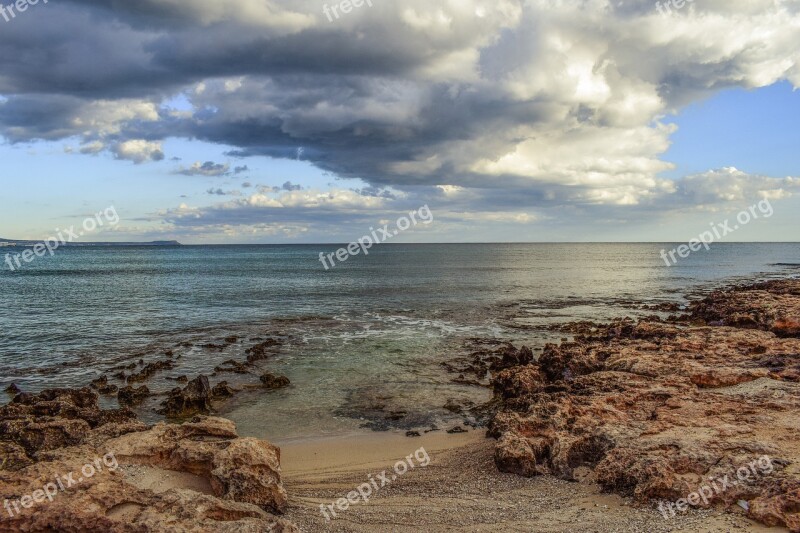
(138,151)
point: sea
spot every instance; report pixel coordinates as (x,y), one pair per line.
(364,344)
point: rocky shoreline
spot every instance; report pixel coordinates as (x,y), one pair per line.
(657,409)
(52,480)
(650,409)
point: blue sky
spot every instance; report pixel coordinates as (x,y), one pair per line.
(512,121)
(748,129)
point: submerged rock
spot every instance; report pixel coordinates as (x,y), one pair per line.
(222,390)
(232,366)
(13,389)
(260,351)
(149,370)
(274,381)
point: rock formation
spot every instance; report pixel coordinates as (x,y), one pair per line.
(61,435)
(193,399)
(657,410)
(274,381)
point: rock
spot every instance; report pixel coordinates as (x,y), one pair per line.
(770,306)
(212,346)
(128,396)
(413,434)
(457,408)
(274,381)
(45,434)
(13,389)
(222,390)
(512,357)
(463,380)
(232,366)
(232,339)
(655,409)
(260,351)
(33,424)
(456,429)
(149,370)
(102,386)
(243,473)
(512,383)
(192,399)
(453,406)
(13,457)
(514,454)
(486,355)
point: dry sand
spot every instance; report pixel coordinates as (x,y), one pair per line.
(460,490)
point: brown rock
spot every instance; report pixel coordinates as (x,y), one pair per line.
(149,370)
(33,424)
(244,475)
(656,409)
(128,396)
(222,390)
(232,366)
(193,399)
(274,381)
(101,385)
(13,457)
(771,306)
(261,351)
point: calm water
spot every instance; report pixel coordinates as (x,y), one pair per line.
(374,329)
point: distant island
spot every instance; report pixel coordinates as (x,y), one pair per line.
(7,243)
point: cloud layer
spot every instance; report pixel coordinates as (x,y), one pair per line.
(509,106)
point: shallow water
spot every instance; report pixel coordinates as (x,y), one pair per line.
(372,330)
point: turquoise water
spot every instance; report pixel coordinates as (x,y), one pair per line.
(373,329)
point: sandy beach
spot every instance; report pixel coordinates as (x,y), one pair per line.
(461,490)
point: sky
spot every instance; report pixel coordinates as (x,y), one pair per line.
(267,121)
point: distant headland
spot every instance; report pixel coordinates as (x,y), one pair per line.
(6,243)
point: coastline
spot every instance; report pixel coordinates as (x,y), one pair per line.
(591,434)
